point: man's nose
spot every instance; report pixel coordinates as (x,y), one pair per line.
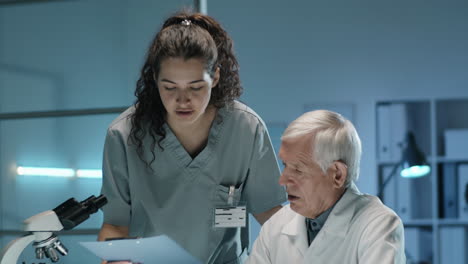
(283,180)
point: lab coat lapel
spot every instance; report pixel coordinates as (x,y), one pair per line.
(336,227)
(340,217)
(297,233)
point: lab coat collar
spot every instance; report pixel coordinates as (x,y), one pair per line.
(336,224)
(296,230)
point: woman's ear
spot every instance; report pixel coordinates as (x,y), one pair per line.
(340,174)
(215,78)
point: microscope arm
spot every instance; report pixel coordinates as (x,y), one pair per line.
(41,226)
(13,250)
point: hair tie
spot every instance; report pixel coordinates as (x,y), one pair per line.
(186,22)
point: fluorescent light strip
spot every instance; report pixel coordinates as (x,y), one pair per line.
(48,172)
(58,172)
(89,174)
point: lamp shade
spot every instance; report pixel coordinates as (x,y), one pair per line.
(413,160)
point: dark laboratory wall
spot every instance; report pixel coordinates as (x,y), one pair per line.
(297,55)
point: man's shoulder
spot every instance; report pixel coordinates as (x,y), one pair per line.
(371,207)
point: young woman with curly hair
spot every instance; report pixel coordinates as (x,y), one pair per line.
(187,147)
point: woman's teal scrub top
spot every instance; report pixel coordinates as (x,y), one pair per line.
(178,194)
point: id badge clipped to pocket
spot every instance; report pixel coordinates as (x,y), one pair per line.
(230,215)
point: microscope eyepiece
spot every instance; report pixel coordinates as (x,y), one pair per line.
(93,204)
(72,213)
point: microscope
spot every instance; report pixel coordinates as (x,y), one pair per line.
(41,228)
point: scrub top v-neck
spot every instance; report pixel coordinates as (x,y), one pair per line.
(175,148)
(176,195)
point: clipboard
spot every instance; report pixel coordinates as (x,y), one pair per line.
(157,249)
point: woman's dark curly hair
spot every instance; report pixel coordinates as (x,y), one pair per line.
(187,36)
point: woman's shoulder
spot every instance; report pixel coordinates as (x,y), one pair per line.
(243,113)
(122,123)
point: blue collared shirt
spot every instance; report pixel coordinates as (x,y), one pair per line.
(314,225)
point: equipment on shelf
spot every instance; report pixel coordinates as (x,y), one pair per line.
(413,162)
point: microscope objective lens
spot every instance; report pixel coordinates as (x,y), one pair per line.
(40,254)
(60,248)
(52,254)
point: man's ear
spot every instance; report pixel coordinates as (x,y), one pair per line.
(215,78)
(340,174)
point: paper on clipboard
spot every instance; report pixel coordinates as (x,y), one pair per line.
(158,249)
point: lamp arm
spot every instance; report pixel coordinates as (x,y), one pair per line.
(388,178)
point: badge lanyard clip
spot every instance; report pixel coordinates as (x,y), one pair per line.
(231,195)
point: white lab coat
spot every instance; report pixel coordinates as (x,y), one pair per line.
(359,229)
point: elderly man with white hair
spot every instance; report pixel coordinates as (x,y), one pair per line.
(328,220)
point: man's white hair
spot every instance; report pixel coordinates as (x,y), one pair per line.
(334,138)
